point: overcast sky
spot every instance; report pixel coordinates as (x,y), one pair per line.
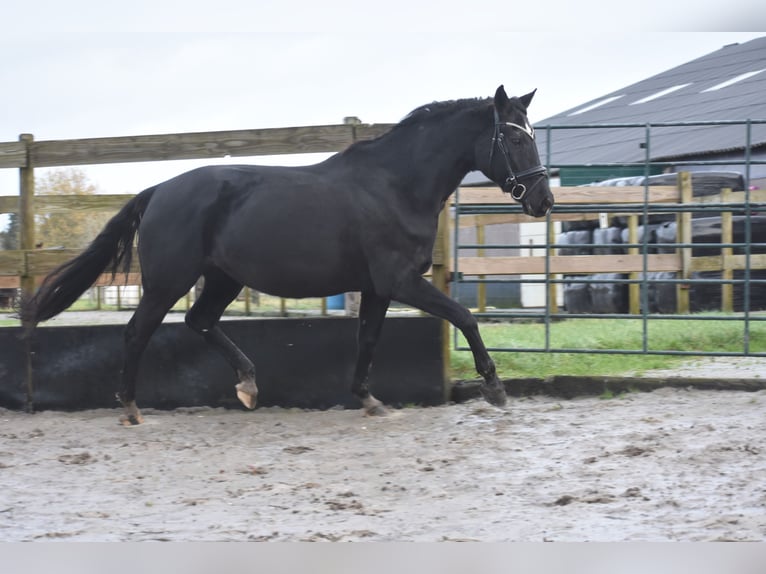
(89,69)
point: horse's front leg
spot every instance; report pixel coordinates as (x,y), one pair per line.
(372,313)
(419,293)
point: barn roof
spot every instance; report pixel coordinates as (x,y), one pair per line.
(728,84)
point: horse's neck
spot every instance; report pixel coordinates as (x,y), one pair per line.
(430,163)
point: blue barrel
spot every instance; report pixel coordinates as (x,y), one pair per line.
(336,302)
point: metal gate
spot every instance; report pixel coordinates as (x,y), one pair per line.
(646,264)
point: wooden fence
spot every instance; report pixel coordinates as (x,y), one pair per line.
(617,201)
(25,266)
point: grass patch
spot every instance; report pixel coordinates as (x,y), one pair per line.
(603,334)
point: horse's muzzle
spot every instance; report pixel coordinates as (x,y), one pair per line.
(541,209)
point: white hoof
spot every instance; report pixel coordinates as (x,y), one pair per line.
(247,393)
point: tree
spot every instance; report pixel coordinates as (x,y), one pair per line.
(72,229)
(9,239)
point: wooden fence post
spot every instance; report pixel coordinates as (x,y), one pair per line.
(481,288)
(440,279)
(727,236)
(246,291)
(553,292)
(684,235)
(26,244)
(352,299)
(27,216)
(634,289)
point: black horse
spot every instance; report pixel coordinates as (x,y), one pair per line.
(363,220)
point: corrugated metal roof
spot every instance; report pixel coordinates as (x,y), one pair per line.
(681,94)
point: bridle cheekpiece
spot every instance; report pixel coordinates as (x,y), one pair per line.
(512,184)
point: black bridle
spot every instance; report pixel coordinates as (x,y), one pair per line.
(512,184)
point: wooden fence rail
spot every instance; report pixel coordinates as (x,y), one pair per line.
(201,145)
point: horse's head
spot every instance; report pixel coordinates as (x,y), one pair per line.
(507,154)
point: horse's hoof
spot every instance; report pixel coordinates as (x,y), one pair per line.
(247,393)
(374,408)
(376,411)
(131,420)
(132,416)
(494,394)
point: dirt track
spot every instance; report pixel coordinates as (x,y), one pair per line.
(668,465)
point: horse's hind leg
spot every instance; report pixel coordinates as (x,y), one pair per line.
(372,313)
(151,310)
(218,292)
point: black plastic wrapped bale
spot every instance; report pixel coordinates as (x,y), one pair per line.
(586,225)
(611,238)
(609,297)
(651,240)
(757,291)
(666,233)
(703,184)
(661,296)
(708,230)
(707,296)
(575,238)
(577,298)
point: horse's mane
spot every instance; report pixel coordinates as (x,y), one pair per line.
(437,110)
(426,114)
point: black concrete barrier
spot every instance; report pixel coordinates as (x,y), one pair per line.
(301,362)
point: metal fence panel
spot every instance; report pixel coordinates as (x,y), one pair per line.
(710,243)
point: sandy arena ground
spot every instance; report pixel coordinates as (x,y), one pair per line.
(674,464)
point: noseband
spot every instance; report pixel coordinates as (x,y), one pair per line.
(517,189)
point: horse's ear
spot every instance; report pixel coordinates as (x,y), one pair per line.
(527,98)
(501,98)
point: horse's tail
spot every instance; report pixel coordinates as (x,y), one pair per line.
(112,248)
